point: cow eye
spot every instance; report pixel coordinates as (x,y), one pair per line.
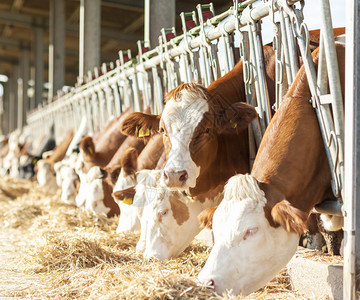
(162,130)
(164,212)
(250,232)
(207,130)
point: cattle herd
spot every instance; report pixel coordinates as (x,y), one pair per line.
(170,175)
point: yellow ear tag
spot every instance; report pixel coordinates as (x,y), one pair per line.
(233,124)
(90,150)
(128,200)
(144,132)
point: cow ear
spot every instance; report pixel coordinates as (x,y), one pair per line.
(140,125)
(129,161)
(206,216)
(125,195)
(236,117)
(114,173)
(289,217)
(87,148)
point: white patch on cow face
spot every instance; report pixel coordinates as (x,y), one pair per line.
(165,237)
(95,192)
(68,188)
(181,119)
(83,188)
(45,176)
(247,252)
(131,215)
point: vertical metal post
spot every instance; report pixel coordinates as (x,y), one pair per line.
(20,103)
(352,151)
(39,64)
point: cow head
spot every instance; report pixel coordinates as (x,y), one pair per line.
(171,223)
(45,175)
(247,236)
(67,180)
(190,124)
(130,191)
(95,194)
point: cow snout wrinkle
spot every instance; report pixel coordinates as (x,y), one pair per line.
(175,178)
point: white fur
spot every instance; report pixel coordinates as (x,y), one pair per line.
(180,119)
(94,199)
(131,215)
(332,223)
(83,189)
(247,252)
(45,176)
(165,238)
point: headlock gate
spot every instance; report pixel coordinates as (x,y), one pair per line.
(209,47)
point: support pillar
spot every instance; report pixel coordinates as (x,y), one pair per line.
(24,75)
(13,99)
(39,65)
(89,36)
(5,123)
(158,14)
(56,46)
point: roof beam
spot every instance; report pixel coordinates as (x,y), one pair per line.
(29,21)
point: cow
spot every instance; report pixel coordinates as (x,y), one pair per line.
(205,130)
(257,226)
(45,167)
(97,152)
(100,181)
(28,163)
(135,176)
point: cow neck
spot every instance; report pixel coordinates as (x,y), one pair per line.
(232,158)
(108,199)
(291,163)
(228,89)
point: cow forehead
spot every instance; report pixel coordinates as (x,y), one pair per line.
(187,112)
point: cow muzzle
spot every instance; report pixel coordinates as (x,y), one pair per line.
(175,179)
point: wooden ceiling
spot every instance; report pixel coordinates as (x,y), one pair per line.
(122,23)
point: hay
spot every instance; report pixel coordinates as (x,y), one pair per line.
(78,255)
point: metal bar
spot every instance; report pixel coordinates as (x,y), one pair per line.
(352,152)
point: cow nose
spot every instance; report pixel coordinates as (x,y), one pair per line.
(175,178)
(211,283)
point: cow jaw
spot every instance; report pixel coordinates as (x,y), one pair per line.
(95,193)
(180,119)
(170,227)
(247,252)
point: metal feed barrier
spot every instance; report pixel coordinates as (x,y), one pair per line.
(204,52)
(194,55)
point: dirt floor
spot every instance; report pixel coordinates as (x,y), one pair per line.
(49,249)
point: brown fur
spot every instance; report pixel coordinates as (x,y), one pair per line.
(129,161)
(291,162)
(206,217)
(60,150)
(179,209)
(109,201)
(120,195)
(151,154)
(135,121)
(289,217)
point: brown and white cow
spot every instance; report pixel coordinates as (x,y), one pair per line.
(100,181)
(205,131)
(45,167)
(257,225)
(98,152)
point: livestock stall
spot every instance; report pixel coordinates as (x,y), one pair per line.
(207,48)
